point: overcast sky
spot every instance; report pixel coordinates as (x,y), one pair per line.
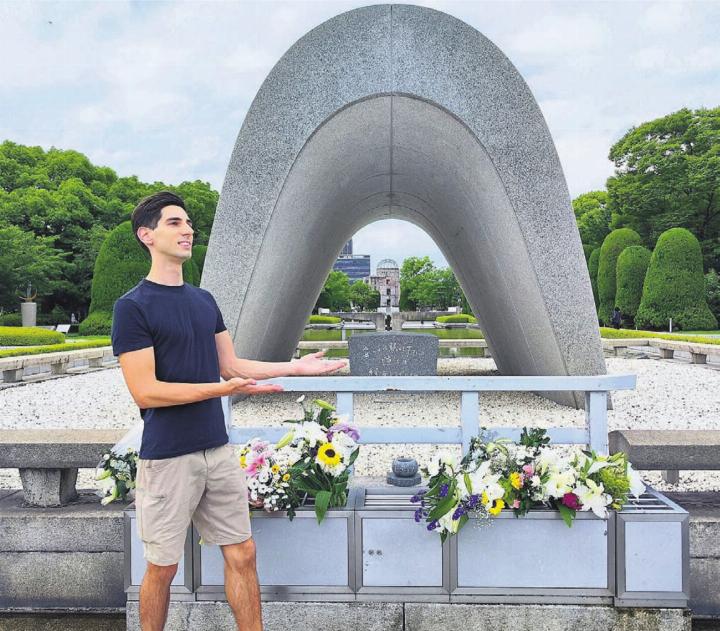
(160,90)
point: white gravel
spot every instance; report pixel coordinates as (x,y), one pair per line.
(669,395)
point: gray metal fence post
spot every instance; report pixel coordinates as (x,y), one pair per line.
(469,413)
(596,419)
(344,404)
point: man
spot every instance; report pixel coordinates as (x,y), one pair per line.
(173,348)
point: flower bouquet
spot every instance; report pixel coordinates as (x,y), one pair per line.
(116,473)
(312,460)
(494,475)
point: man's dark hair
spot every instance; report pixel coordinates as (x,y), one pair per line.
(147,213)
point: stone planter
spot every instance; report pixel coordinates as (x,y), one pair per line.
(396,558)
(296,560)
(535,558)
(181,587)
(653,553)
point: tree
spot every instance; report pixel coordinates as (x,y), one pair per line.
(611,248)
(632,266)
(411,272)
(199,253)
(25,258)
(593,265)
(712,292)
(675,286)
(667,174)
(364,297)
(335,294)
(120,265)
(63,196)
(593,217)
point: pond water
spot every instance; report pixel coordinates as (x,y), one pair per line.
(334,335)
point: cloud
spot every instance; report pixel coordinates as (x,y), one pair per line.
(160,90)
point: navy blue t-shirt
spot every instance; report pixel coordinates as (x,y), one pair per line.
(180,323)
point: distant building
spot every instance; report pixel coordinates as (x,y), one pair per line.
(387,282)
(356,266)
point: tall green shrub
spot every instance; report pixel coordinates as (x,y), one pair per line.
(120,265)
(593,264)
(587,251)
(632,265)
(675,286)
(199,253)
(611,248)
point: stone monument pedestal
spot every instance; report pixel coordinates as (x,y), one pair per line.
(28,311)
(393,354)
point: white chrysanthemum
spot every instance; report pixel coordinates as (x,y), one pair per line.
(312,433)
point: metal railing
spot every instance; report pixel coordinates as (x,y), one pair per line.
(595,388)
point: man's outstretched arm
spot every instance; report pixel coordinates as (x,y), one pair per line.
(232,366)
(138,369)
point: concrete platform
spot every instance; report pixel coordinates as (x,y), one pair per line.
(64,558)
(211,616)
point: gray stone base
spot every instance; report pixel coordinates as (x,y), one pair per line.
(49,487)
(62,622)
(429,617)
(282,616)
(61,558)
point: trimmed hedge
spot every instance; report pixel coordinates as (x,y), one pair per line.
(11,319)
(587,251)
(610,250)
(632,266)
(52,348)
(97,323)
(198,256)
(675,286)
(593,264)
(120,265)
(323,319)
(456,319)
(621,334)
(28,336)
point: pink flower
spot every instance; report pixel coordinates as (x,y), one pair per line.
(528,470)
(516,504)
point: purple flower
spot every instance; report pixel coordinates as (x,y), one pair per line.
(418,497)
(432,525)
(418,515)
(345,428)
(444,490)
(572,501)
(459,512)
(472,502)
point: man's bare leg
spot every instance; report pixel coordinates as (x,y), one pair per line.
(241,585)
(155,596)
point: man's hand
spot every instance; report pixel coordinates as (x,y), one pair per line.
(238,385)
(314,364)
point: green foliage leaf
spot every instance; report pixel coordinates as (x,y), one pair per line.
(567,514)
(322,501)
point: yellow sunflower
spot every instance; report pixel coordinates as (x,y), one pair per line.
(497,507)
(328,455)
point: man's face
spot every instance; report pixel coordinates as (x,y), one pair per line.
(173,236)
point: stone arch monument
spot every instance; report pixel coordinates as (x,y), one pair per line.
(405,112)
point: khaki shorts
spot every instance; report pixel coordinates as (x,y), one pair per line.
(207,487)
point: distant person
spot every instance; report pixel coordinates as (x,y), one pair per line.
(73,319)
(616,320)
(388,323)
(173,348)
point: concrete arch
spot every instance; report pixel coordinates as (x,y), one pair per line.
(401,111)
